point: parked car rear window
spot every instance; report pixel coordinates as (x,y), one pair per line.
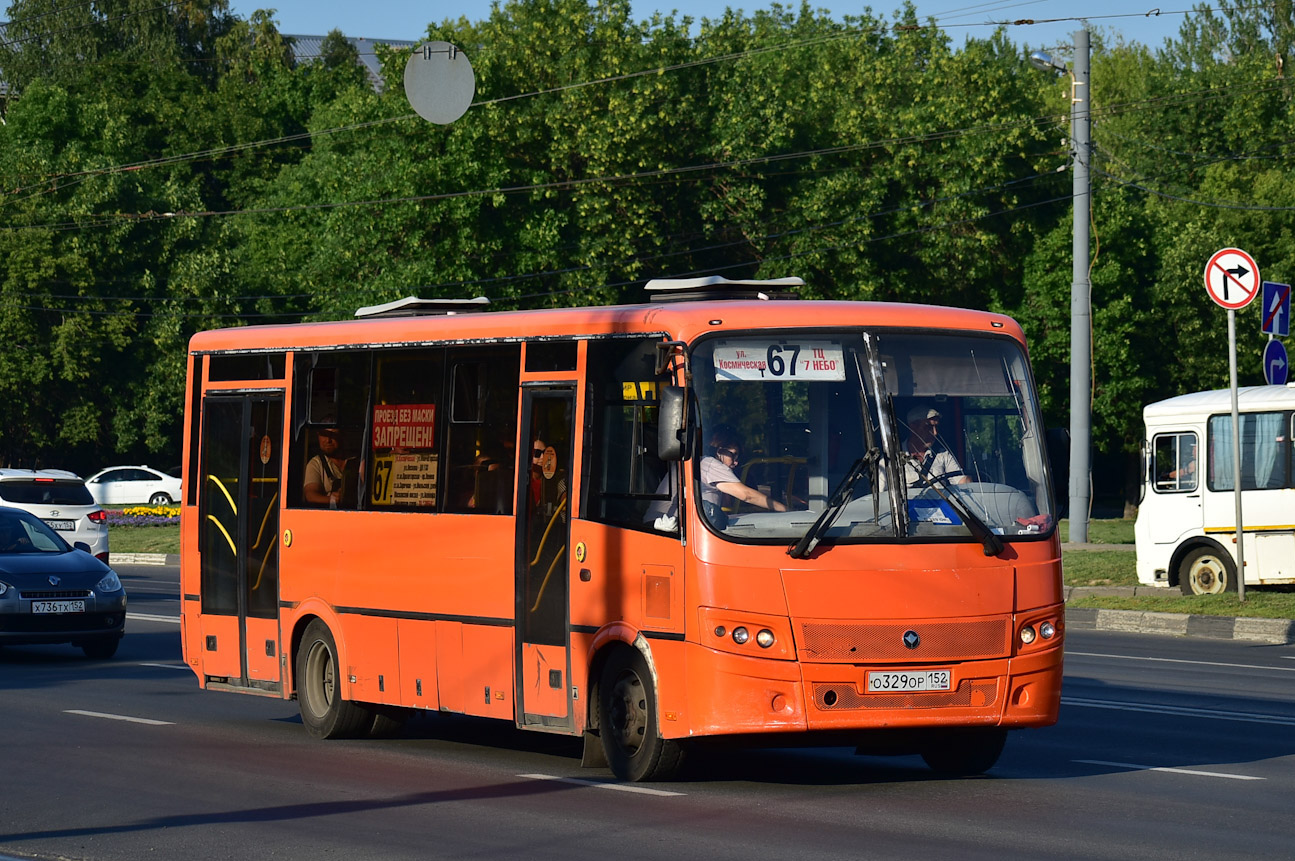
(33,492)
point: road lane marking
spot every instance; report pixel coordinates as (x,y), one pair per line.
(619,787)
(184,667)
(1185,661)
(175,620)
(1185,711)
(1191,771)
(107,716)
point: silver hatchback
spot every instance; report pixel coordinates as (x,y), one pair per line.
(61,499)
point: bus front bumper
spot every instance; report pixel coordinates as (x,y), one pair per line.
(731,694)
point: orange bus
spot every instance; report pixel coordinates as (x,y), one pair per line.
(720,513)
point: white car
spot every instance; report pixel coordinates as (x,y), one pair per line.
(61,499)
(133,485)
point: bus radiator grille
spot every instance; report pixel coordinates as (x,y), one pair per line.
(856,643)
(976,694)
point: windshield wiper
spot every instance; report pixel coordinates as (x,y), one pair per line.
(835,505)
(979,529)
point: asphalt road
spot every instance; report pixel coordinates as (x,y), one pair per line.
(1167,748)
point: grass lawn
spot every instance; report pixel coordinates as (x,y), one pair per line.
(1103,531)
(1081,568)
(144,539)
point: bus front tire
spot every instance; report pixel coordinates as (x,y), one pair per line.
(319,695)
(965,753)
(627,722)
(1206,571)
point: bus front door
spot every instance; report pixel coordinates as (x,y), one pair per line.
(543,563)
(238,540)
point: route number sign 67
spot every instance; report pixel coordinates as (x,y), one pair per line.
(774,360)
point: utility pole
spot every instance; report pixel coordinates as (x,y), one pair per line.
(1081,315)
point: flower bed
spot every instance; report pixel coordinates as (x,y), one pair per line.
(145,515)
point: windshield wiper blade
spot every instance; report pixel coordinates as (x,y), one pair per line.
(979,529)
(835,505)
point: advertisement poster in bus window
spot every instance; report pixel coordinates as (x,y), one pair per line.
(404,448)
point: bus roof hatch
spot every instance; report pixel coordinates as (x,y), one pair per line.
(718,287)
(412,306)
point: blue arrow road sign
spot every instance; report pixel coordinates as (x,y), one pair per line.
(1277,309)
(1275,364)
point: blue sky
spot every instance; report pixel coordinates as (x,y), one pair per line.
(404,19)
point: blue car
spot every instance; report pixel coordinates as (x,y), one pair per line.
(53,592)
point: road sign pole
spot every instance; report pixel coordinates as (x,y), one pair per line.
(1236,452)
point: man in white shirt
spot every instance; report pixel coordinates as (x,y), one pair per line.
(924,460)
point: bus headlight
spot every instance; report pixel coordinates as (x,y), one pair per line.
(764,639)
(741,635)
(1047,631)
(1027,634)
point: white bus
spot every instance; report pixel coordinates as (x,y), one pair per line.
(1186,528)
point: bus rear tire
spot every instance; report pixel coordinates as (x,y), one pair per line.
(964,753)
(627,722)
(319,695)
(1206,571)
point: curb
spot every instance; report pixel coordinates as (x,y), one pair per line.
(1277,632)
(143,558)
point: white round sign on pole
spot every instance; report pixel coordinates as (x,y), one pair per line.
(439,82)
(1232,278)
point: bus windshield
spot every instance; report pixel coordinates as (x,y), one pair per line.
(896,435)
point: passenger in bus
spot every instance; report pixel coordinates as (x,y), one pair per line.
(719,479)
(328,472)
(928,456)
(492,481)
(548,485)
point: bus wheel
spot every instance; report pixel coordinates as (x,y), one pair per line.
(1206,571)
(961,754)
(323,711)
(627,722)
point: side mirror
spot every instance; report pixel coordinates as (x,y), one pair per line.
(670,428)
(81,545)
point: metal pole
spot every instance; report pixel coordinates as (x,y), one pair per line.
(1236,451)
(1080,299)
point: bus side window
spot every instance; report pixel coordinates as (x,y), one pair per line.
(482,447)
(331,393)
(624,471)
(1173,462)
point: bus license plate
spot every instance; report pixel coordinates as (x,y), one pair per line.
(900,681)
(58,606)
(61,525)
